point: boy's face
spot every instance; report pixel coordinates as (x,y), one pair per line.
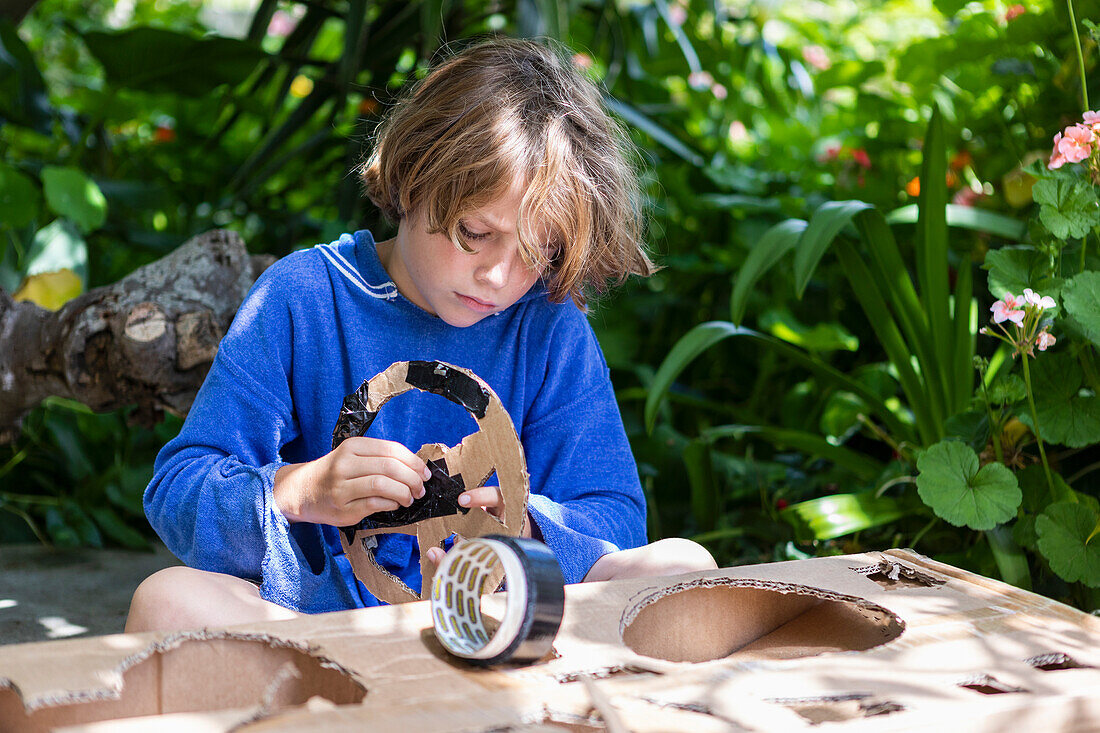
(458,287)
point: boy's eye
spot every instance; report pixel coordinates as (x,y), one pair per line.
(465,232)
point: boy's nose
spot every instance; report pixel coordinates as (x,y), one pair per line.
(495,272)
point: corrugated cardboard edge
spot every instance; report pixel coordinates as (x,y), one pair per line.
(640,601)
(165,644)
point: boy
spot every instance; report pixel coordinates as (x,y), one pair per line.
(513,192)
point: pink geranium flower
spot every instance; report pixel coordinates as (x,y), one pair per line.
(1044,340)
(700,80)
(1076,143)
(1092,121)
(1057,160)
(1044,302)
(817,57)
(1008,309)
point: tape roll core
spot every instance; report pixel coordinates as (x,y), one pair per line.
(533,611)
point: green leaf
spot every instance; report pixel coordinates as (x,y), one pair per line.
(73,195)
(771,247)
(820,338)
(863,466)
(116,528)
(635,118)
(23,96)
(828,517)
(1069,206)
(704,491)
(967,217)
(1068,539)
(58,246)
(1065,416)
(1007,389)
(1074,423)
(59,530)
(1024,534)
(931,254)
(1010,559)
(825,224)
(702,337)
(1081,297)
(971,427)
(158,60)
(1011,269)
(19,197)
(840,416)
(961,492)
(82,524)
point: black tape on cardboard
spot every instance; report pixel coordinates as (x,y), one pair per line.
(535,600)
(355,419)
(438,378)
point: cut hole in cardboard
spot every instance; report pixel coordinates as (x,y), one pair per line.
(838,709)
(987,685)
(191,676)
(894,576)
(1055,661)
(706,619)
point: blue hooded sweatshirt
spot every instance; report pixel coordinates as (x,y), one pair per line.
(316,325)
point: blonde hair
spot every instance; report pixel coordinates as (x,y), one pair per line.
(507,110)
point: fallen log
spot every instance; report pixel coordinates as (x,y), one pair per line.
(147,340)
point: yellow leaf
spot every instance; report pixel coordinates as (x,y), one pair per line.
(50,289)
(301,86)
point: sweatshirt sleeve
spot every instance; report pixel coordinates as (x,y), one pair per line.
(210,499)
(586,499)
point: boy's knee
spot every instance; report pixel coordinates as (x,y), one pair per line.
(671,556)
(156,598)
(677,555)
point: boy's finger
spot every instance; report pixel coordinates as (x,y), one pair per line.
(375,448)
(484,496)
(355,511)
(435,555)
(392,469)
(380,486)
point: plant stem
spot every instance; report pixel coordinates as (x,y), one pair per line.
(1080,56)
(1035,421)
(994,426)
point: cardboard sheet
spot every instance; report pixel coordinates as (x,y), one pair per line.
(822,644)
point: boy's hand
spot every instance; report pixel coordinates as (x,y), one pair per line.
(360,477)
(487,497)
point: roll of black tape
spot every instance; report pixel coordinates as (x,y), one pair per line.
(535,602)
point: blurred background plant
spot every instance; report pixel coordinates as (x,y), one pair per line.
(126,128)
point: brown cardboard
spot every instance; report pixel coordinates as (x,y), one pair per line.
(879,641)
(494,447)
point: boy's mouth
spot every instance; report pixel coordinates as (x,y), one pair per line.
(481,306)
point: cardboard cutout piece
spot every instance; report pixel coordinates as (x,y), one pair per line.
(435,517)
(806,646)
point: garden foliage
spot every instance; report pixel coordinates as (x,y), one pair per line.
(838,194)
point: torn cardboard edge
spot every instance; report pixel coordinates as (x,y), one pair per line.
(114,688)
(967,628)
(495,447)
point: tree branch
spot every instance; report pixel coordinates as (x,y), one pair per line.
(148,339)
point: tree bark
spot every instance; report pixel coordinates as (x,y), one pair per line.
(148,339)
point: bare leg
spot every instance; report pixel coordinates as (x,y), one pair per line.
(672,556)
(181,598)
